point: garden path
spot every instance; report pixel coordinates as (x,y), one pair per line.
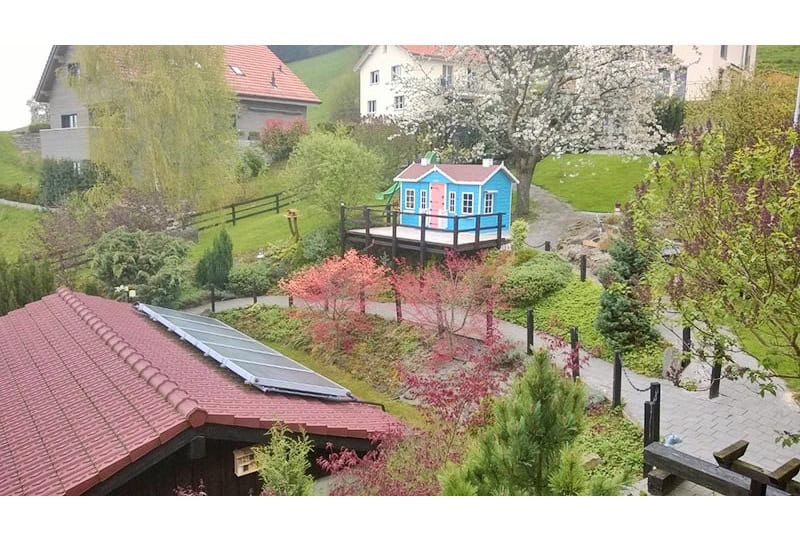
(20,205)
(704,425)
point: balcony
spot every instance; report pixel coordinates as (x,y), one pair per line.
(66,143)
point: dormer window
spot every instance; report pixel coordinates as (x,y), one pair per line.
(236,69)
(74,69)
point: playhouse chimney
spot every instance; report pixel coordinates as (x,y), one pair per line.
(488,162)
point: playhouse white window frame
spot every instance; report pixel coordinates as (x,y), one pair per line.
(423,200)
(409,195)
(488,202)
(464,203)
(451,202)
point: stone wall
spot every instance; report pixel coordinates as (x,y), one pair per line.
(28,142)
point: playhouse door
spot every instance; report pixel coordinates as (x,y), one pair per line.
(437,207)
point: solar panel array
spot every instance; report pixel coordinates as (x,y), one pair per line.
(256,363)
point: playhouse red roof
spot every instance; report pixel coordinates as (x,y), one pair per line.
(457,172)
(89,385)
(258,64)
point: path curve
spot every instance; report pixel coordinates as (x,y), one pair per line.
(704,425)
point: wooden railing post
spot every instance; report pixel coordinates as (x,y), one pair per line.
(423,247)
(716,370)
(398,307)
(575,353)
(583,267)
(233,214)
(655,412)
(455,232)
(648,438)
(686,347)
(394,237)
(530,331)
(477,231)
(342,230)
(616,394)
(547,246)
(367,237)
(499,230)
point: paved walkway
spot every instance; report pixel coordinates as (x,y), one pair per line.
(704,425)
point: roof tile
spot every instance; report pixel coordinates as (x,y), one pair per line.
(259,67)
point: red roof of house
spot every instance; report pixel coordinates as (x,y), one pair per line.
(258,65)
(430,50)
(455,171)
(89,385)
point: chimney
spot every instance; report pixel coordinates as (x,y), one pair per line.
(280,68)
(488,162)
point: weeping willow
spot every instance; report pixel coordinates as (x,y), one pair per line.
(164,120)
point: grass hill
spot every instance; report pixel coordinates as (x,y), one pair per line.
(783,58)
(329,75)
(14,167)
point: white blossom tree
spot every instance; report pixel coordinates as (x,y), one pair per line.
(524,103)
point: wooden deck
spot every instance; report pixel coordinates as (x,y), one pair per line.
(436,241)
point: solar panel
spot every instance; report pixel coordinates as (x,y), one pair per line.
(256,363)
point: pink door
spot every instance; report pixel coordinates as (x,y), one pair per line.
(437,207)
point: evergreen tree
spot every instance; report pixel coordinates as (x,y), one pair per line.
(283,464)
(213,269)
(522,449)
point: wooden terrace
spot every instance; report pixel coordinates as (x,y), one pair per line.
(379,226)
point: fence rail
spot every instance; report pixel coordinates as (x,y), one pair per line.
(230,214)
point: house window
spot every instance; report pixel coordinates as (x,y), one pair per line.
(423,200)
(69,121)
(409,199)
(371,106)
(73,68)
(399,102)
(466,203)
(374,77)
(451,203)
(76,168)
(447,76)
(723,51)
(488,203)
(397,72)
(236,69)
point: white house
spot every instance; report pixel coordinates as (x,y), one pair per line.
(381,68)
(705,64)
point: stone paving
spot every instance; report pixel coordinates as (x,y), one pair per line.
(704,425)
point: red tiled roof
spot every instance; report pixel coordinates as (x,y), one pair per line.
(439,51)
(89,385)
(458,172)
(259,63)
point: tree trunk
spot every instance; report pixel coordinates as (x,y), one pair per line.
(524,167)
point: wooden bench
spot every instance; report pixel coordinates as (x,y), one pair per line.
(673,465)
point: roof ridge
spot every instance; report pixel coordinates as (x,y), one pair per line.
(157,379)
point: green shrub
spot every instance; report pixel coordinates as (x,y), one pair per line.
(251,278)
(147,262)
(19,192)
(537,278)
(22,282)
(251,163)
(283,463)
(37,127)
(519,234)
(320,244)
(623,319)
(60,178)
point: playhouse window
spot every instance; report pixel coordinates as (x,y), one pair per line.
(423,199)
(466,203)
(488,203)
(451,203)
(409,199)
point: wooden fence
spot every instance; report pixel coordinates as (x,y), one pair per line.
(230,214)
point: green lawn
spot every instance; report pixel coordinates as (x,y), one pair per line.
(771,357)
(251,234)
(13,167)
(323,74)
(16,227)
(784,58)
(593,182)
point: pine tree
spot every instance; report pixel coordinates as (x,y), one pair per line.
(213,269)
(523,448)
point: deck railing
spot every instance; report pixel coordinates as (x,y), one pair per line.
(367,217)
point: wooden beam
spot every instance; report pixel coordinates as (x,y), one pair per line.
(661,482)
(703,473)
